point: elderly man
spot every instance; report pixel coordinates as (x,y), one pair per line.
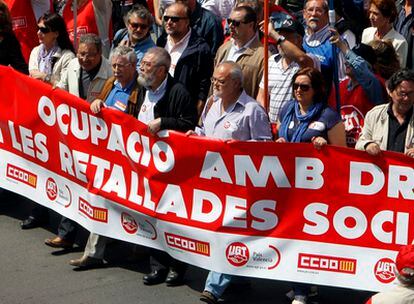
(230,114)
(316,40)
(119,92)
(191,60)
(138,22)
(244,48)
(85,78)
(164,103)
(390,126)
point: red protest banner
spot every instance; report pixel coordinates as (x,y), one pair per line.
(282,211)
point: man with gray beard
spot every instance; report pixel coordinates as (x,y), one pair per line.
(163,103)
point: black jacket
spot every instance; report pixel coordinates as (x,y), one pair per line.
(11,54)
(175,108)
(195,66)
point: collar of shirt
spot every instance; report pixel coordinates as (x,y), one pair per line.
(245,46)
(127,88)
(407,115)
(319,36)
(159,92)
(183,41)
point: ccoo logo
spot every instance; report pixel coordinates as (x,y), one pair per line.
(384,270)
(237,254)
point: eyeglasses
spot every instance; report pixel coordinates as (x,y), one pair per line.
(174,19)
(87,55)
(136,25)
(219,81)
(44,30)
(119,65)
(235,22)
(404,94)
(303,87)
(148,64)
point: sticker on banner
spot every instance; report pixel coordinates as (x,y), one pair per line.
(265,259)
(139,226)
(384,270)
(237,254)
(20,175)
(94,213)
(58,193)
(327,263)
(128,223)
(187,244)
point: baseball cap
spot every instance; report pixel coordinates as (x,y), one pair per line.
(405,259)
(284,22)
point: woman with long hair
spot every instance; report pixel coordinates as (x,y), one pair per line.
(10,51)
(48,61)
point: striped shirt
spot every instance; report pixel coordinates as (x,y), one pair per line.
(280,83)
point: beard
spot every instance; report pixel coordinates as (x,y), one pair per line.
(313,23)
(146,81)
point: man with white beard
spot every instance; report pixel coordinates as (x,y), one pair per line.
(164,103)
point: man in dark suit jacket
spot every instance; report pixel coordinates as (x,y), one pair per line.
(191,59)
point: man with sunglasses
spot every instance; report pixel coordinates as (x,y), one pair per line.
(191,60)
(136,35)
(206,24)
(244,48)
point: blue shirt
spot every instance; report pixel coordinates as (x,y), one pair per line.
(118,97)
(319,127)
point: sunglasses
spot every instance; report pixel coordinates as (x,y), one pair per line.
(138,25)
(235,22)
(174,19)
(303,87)
(44,30)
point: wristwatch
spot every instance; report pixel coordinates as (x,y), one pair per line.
(280,39)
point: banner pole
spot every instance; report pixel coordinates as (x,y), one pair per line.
(75,21)
(332,21)
(266,55)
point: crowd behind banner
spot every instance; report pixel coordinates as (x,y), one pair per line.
(339,73)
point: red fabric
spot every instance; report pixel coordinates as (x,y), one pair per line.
(354,106)
(86,22)
(24,25)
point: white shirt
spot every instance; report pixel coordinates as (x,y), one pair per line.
(235,52)
(176,50)
(146,113)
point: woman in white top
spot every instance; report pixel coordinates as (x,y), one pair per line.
(382,14)
(49,60)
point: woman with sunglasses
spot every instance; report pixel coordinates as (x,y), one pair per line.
(49,60)
(307,118)
(10,51)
